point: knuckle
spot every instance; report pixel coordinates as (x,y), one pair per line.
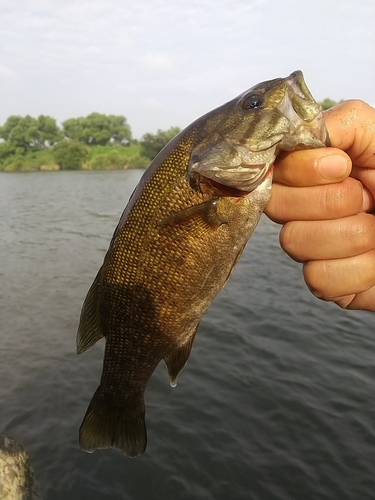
(314,273)
(290,240)
(342,199)
(362,235)
(353,235)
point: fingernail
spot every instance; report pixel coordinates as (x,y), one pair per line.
(334,167)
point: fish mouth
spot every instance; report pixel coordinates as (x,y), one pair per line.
(242,152)
(307,126)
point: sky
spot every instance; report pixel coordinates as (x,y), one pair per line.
(163,63)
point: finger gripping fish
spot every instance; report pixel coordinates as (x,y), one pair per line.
(176,245)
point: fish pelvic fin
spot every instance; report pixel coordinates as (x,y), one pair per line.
(177,360)
(104,426)
(89,329)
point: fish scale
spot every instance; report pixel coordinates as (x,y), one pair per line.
(177,243)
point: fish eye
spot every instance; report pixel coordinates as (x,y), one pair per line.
(253,101)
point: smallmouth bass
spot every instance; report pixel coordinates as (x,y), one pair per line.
(176,244)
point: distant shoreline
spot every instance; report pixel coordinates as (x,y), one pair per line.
(73,156)
(57,170)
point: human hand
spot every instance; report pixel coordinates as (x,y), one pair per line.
(325,199)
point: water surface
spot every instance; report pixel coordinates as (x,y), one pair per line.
(276,402)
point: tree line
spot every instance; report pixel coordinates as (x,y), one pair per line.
(97,141)
(94,142)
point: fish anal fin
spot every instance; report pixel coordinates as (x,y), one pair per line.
(89,328)
(177,359)
(205,212)
(104,426)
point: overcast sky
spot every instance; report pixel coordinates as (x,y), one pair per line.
(163,63)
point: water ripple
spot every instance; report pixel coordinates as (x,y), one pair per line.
(275,402)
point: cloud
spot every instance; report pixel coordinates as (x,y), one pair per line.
(157,60)
(7,72)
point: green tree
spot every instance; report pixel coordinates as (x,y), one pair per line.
(27,133)
(7,151)
(98,129)
(20,132)
(49,132)
(151,144)
(328,103)
(70,155)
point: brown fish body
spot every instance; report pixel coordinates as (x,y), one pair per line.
(175,246)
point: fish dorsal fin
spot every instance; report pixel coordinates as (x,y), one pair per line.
(89,329)
(177,360)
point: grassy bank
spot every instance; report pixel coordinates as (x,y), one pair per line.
(92,158)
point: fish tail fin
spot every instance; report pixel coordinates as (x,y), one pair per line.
(104,426)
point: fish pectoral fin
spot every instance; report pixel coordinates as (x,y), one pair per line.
(104,426)
(177,360)
(89,329)
(205,212)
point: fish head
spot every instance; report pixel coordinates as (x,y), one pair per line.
(241,139)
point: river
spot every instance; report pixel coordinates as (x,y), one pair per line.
(276,402)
